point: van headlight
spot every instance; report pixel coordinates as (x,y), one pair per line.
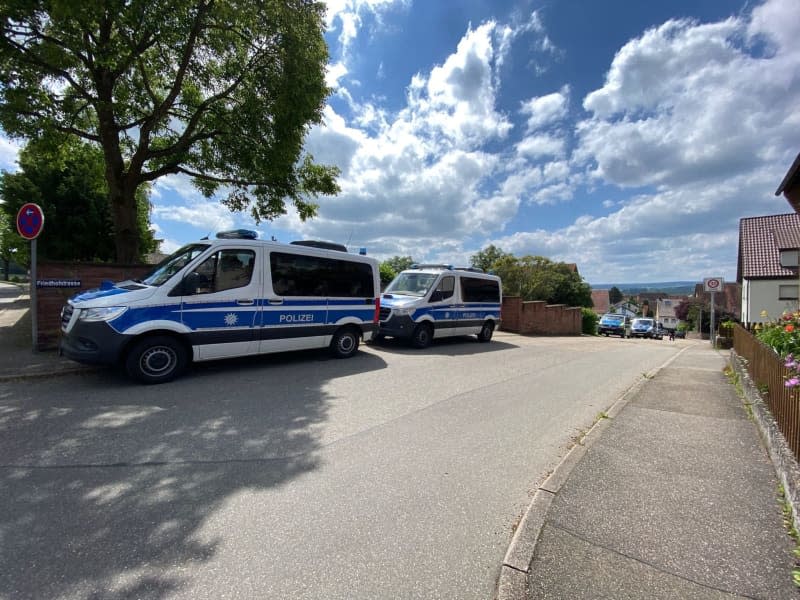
(107,313)
(402,312)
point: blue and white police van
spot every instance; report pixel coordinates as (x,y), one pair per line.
(435,301)
(222,298)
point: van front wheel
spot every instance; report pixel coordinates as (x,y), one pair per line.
(422,336)
(344,343)
(156,359)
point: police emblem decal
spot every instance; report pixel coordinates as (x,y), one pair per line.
(231,319)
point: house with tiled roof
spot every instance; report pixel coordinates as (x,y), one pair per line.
(767,265)
(665,311)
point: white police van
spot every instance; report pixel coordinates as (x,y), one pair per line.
(434,301)
(226,297)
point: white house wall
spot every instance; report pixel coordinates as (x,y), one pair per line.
(762,294)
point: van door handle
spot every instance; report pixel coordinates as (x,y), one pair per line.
(245,302)
(275,301)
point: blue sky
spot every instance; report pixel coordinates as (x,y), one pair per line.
(626,137)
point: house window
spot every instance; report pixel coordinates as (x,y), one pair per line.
(789,258)
(787,292)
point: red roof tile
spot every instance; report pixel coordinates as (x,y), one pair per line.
(759,248)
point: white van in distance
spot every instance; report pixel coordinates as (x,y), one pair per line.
(222,298)
(435,301)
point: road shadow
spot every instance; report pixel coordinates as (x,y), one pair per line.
(109,486)
(450,346)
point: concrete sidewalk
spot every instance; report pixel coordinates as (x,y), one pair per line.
(673,497)
(18,360)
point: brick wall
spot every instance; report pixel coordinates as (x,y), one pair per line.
(49,300)
(539,318)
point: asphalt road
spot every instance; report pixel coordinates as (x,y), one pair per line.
(398,473)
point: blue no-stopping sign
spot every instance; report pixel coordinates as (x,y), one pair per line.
(30,220)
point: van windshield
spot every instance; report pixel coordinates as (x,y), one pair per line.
(173,263)
(412,284)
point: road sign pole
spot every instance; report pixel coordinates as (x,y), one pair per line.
(30,221)
(711,333)
(32,293)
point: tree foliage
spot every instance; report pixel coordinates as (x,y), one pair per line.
(387,274)
(539,278)
(222,91)
(399,263)
(13,247)
(696,313)
(65,177)
(614,295)
(485,259)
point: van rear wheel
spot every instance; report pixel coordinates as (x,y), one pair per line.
(485,334)
(156,359)
(344,343)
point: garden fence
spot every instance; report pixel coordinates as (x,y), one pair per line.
(768,372)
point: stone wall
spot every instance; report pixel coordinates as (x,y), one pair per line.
(49,300)
(539,318)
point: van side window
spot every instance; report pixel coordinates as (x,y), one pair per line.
(479,290)
(299,275)
(223,270)
(445,288)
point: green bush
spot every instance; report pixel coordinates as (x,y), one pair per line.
(589,321)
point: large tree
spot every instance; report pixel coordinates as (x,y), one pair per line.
(65,177)
(485,259)
(222,91)
(539,278)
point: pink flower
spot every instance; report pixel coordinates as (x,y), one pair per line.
(793,382)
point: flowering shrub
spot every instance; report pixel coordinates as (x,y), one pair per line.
(783,336)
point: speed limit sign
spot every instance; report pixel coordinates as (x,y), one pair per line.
(713,284)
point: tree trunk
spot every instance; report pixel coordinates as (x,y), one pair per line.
(126,234)
(7,264)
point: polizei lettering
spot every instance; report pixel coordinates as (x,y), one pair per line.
(307,318)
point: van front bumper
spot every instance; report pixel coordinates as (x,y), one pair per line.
(94,343)
(397,326)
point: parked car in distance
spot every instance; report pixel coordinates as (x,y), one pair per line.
(680,333)
(614,324)
(645,327)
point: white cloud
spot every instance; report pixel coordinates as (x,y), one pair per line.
(346,16)
(546,110)
(688,102)
(536,146)
(420,177)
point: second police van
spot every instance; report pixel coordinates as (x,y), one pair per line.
(435,301)
(226,297)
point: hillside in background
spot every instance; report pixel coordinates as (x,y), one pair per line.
(668,288)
